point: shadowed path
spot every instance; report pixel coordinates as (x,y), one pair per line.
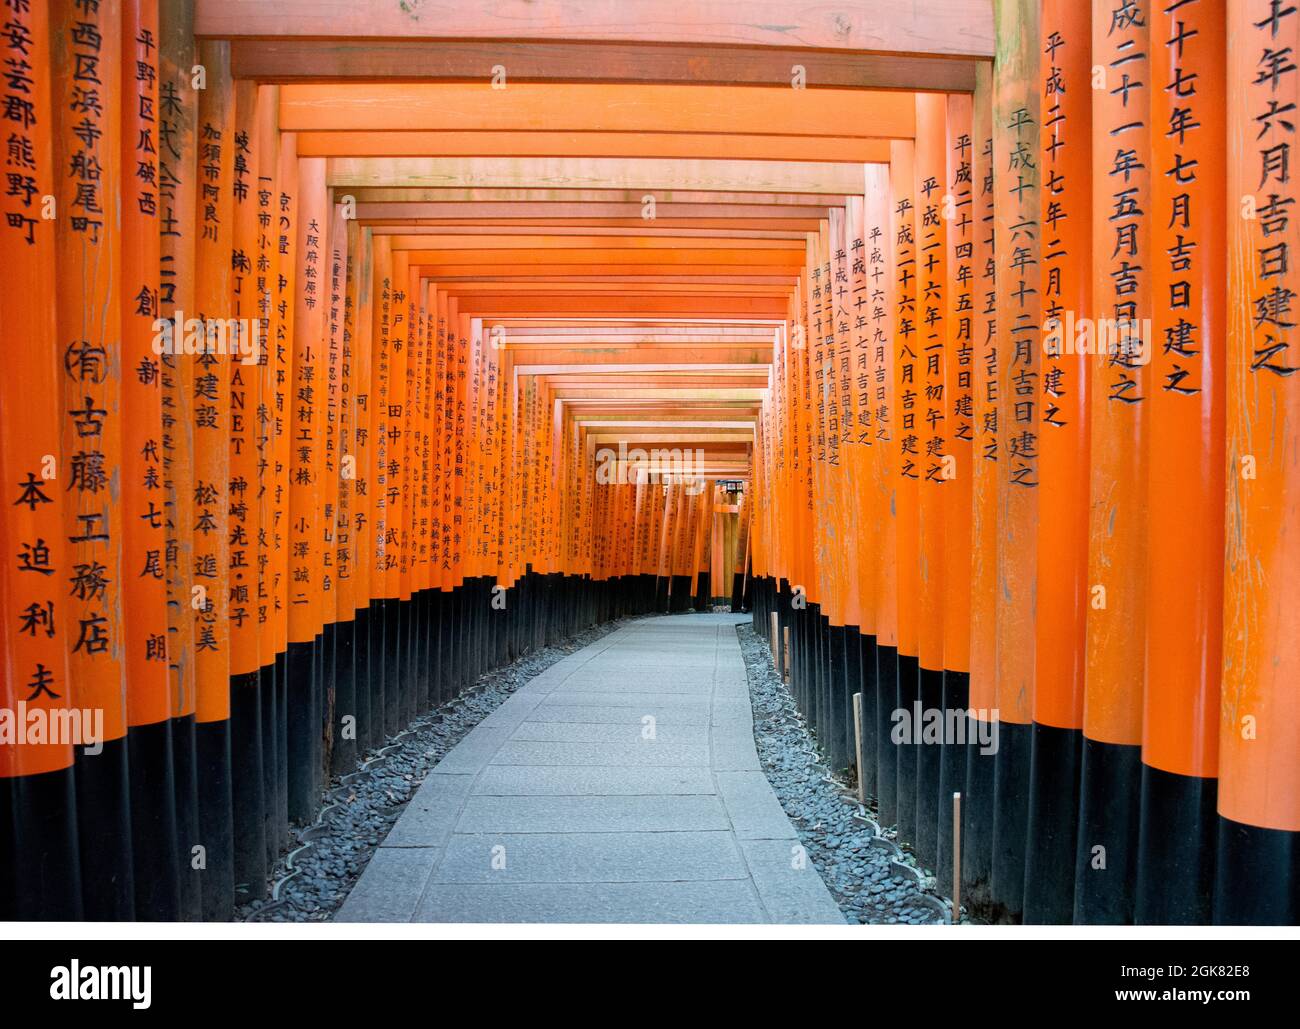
(620,785)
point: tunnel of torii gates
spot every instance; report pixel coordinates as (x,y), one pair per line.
(954,339)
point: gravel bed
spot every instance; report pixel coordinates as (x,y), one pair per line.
(870,878)
(325,860)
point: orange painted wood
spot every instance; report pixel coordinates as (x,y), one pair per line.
(1016,120)
(984,469)
(959,378)
(211,394)
(908,468)
(144,530)
(1064,425)
(177,191)
(400,141)
(246,382)
(1258,718)
(959,27)
(931,341)
(1185,551)
(1120,385)
(34,644)
(86,52)
(880,236)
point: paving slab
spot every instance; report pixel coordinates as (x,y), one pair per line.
(620,785)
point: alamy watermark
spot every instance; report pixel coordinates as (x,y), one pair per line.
(624,466)
(955,726)
(234,337)
(36,726)
(1125,341)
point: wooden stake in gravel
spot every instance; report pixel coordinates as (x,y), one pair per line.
(956,858)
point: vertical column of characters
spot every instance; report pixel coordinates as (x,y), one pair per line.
(346,234)
(908,470)
(305,402)
(380,450)
(286,278)
(361,500)
(821,351)
(244,367)
(210,392)
(334,276)
(418,519)
(270,492)
(1105,868)
(1064,441)
(977,802)
(805,360)
(461,441)
(496,414)
(882,570)
(1259,799)
(290,667)
(441,473)
(1016,120)
(177,228)
(411,484)
(307,399)
(211,413)
(935,461)
(959,379)
(86,47)
(428,324)
(476,436)
(1063,425)
(396,671)
(144,539)
(835,535)
(794,340)
(447,445)
(834,263)
(858,426)
(37,798)
(1184,648)
(849,336)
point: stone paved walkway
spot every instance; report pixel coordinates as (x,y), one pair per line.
(620,785)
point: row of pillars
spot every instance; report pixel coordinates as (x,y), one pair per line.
(268,493)
(1033,443)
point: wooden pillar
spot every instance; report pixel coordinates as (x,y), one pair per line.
(1184,647)
(210,414)
(37,786)
(1259,804)
(177,222)
(86,51)
(935,423)
(1064,431)
(1105,869)
(144,539)
(1016,121)
(909,469)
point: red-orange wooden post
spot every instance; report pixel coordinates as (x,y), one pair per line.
(144,539)
(1185,538)
(1105,868)
(1016,120)
(37,788)
(1259,803)
(210,413)
(87,91)
(1064,432)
